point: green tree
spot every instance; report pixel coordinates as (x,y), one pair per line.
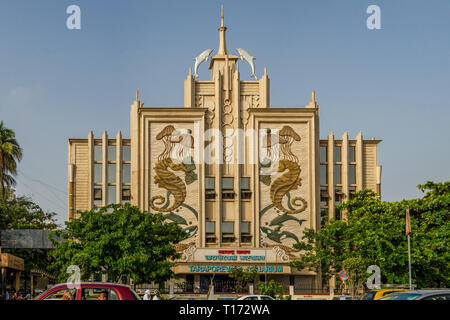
(10,155)
(121,242)
(355,267)
(272,288)
(243,278)
(374,233)
(23,213)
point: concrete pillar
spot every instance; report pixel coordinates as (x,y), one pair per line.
(359,162)
(17,282)
(91,170)
(251,289)
(105,168)
(134,136)
(330,156)
(291,291)
(119,167)
(71,191)
(344,170)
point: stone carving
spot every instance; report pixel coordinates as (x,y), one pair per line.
(204,56)
(166,178)
(187,250)
(250,59)
(281,253)
(228,131)
(289,180)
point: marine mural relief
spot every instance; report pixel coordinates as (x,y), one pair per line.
(286,203)
(175,158)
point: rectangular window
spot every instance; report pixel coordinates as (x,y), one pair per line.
(351,154)
(97,197)
(337,174)
(245,227)
(111,194)
(337,154)
(209,183)
(210,227)
(338,195)
(111,153)
(352,174)
(323,174)
(98,155)
(323,154)
(227,183)
(245,183)
(126,172)
(228,227)
(111,172)
(351,191)
(323,215)
(98,173)
(126,153)
(126,194)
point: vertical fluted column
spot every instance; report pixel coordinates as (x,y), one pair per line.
(90,170)
(359,162)
(330,155)
(105,168)
(119,167)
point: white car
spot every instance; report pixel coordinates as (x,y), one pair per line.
(255,297)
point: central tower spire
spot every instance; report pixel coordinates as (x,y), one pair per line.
(222,30)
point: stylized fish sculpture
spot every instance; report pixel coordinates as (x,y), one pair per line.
(250,59)
(285,217)
(204,56)
(277,236)
(175,218)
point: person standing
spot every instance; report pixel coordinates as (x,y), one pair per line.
(147,295)
(7,294)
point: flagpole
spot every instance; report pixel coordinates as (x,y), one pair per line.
(409,262)
(408,231)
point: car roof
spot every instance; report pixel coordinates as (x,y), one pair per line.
(108,284)
(428,291)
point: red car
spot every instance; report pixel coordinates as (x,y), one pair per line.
(90,291)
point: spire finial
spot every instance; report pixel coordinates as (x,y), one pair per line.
(222,43)
(137,95)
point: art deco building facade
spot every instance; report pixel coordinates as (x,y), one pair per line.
(246,208)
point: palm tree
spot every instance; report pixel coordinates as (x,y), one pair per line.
(10,155)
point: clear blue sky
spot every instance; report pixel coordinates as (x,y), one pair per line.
(392,84)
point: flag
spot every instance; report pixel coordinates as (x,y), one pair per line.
(408,222)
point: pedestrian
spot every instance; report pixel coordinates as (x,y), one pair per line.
(156,297)
(7,294)
(147,295)
(28,296)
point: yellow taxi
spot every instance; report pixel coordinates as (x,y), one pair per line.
(377,294)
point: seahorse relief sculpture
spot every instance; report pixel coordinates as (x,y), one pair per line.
(175,157)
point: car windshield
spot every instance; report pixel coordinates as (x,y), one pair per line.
(369,295)
(401,296)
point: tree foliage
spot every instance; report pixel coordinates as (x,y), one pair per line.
(23,213)
(10,155)
(118,240)
(243,278)
(374,233)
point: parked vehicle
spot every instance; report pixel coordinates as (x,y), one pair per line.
(255,297)
(90,291)
(419,295)
(377,294)
(343,298)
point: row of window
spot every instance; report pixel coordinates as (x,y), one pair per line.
(111,169)
(111,153)
(228,188)
(337,154)
(337,174)
(111,191)
(227,229)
